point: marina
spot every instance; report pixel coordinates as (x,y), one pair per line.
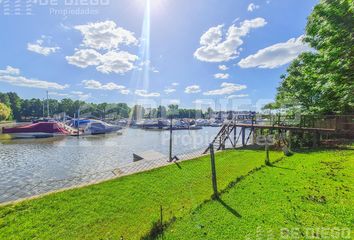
(33,166)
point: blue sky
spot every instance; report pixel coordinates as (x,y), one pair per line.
(198,51)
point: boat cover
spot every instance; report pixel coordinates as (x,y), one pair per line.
(43,127)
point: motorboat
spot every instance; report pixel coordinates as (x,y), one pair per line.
(96,127)
(202,122)
(79,123)
(216,124)
(39,130)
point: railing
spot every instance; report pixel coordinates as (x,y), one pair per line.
(340,123)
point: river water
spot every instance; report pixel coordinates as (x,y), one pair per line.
(31,167)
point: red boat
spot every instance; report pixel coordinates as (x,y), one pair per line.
(38,130)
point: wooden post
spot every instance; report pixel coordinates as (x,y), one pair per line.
(267,161)
(171,142)
(290,136)
(243,136)
(235,133)
(316,139)
(213,171)
(161,220)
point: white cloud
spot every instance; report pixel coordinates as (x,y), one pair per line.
(77,92)
(169,90)
(81,96)
(117,62)
(12,76)
(219,47)
(205,102)
(172,101)
(10,70)
(175,84)
(226,88)
(276,55)
(105,35)
(222,76)
(113,61)
(223,67)
(38,47)
(65,27)
(144,93)
(237,96)
(73,94)
(252,7)
(93,84)
(125,91)
(192,89)
(57,94)
(84,58)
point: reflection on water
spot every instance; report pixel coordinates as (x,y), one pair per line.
(26,163)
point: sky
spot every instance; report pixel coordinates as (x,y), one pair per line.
(226,54)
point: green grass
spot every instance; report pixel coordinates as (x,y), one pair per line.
(127,206)
(303,193)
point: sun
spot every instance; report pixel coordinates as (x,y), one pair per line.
(155,6)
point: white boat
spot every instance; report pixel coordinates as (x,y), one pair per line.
(96,127)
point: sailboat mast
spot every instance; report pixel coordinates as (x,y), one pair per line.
(47,104)
(43,102)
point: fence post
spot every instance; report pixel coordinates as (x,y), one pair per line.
(171,141)
(267,160)
(243,136)
(213,171)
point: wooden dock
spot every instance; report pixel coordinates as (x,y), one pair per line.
(233,131)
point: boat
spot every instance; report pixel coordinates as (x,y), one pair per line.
(216,124)
(79,123)
(38,130)
(96,127)
(202,122)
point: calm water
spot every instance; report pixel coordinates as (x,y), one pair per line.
(30,167)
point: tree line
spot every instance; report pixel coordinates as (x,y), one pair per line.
(322,81)
(12,107)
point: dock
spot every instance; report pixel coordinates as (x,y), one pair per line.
(234,130)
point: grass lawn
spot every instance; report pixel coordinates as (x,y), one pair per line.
(130,205)
(305,193)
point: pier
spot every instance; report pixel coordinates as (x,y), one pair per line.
(284,126)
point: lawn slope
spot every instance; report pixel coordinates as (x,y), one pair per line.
(127,206)
(305,193)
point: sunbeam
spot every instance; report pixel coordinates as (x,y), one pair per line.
(141,76)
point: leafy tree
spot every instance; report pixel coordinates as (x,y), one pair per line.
(15,105)
(4,98)
(172,110)
(161,112)
(322,81)
(5,112)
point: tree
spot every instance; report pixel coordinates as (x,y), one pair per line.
(210,112)
(161,112)
(322,81)
(172,110)
(5,112)
(15,105)
(4,98)
(102,108)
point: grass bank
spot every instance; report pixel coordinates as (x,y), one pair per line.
(300,198)
(125,207)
